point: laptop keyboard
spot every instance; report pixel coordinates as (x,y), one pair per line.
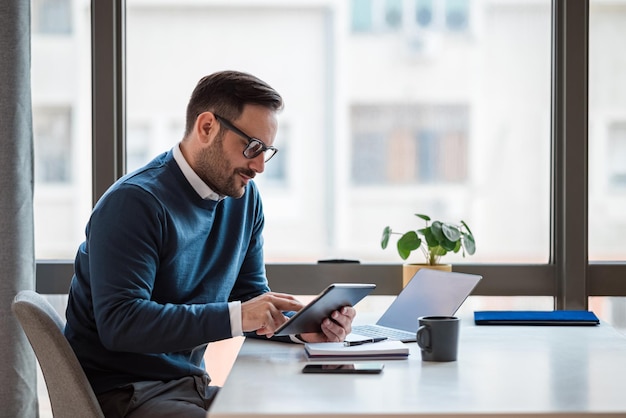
(376,331)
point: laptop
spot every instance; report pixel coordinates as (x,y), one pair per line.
(430,292)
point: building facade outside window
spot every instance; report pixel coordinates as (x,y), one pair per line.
(61,99)
(607,131)
(53,144)
(452,118)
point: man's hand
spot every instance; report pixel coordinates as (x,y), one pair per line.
(264,313)
(335,328)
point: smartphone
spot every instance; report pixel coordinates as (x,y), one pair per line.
(368,368)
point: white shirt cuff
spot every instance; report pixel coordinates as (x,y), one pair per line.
(294,338)
(236,327)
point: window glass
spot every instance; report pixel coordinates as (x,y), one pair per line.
(617,156)
(424,12)
(457,14)
(434,114)
(53,147)
(393,13)
(52,17)
(138,150)
(61,99)
(361,13)
(409,144)
(607,131)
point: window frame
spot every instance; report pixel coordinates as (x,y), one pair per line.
(568,276)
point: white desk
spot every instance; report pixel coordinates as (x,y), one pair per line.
(505,371)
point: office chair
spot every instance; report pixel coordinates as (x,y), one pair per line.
(70,393)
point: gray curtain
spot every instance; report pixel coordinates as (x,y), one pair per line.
(18,372)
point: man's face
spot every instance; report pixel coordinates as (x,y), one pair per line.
(221,163)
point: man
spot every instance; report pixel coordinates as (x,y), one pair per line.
(173,259)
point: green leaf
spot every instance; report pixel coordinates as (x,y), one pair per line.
(469,244)
(407,243)
(447,244)
(451,232)
(385,239)
(467,227)
(404,254)
(436,229)
(431,239)
(424,217)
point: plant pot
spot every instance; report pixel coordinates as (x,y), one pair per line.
(409,270)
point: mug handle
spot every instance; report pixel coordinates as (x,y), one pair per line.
(423,338)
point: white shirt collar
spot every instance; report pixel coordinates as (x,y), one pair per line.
(196,182)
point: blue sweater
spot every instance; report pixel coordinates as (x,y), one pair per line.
(154,276)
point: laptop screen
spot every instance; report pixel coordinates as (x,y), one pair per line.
(430,292)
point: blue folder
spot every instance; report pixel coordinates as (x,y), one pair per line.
(558,317)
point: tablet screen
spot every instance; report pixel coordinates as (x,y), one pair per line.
(336,295)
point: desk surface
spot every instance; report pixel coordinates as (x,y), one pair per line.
(508,371)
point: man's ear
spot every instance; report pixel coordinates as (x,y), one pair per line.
(206,127)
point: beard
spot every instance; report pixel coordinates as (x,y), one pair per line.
(215,170)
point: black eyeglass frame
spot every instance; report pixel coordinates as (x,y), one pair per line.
(247,152)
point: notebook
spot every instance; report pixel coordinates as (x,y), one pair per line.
(430,292)
(557,317)
(386,350)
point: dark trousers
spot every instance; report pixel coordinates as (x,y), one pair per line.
(190,396)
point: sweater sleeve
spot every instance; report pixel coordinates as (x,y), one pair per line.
(124,260)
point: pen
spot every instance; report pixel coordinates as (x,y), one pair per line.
(370,340)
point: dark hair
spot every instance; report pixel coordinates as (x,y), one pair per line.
(226,93)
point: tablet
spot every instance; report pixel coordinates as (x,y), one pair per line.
(336,295)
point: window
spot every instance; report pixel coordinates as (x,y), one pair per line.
(457,14)
(138,146)
(51,17)
(508,156)
(361,15)
(367,142)
(424,13)
(61,100)
(394,145)
(616,156)
(607,131)
(393,14)
(275,174)
(53,144)
(410,16)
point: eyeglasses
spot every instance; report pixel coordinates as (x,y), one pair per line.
(255,146)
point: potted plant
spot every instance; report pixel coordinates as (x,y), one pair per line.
(435,240)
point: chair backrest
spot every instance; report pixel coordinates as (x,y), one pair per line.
(68,388)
